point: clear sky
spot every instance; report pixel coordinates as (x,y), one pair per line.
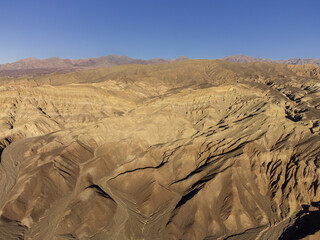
(277,29)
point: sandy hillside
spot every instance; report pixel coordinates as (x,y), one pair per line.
(197,149)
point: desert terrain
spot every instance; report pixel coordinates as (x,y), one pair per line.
(183,149)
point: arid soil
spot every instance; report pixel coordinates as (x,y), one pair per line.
(196,149)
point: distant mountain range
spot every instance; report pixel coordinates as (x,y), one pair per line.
(294,61)
(34,66)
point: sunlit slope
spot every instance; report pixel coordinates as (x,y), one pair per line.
(192,150)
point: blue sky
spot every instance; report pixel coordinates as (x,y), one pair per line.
(278,29)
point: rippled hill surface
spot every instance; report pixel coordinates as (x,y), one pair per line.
(199,149)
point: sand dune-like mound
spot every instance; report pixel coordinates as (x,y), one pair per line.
(197,149)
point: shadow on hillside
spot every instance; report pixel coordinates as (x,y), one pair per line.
(305,225)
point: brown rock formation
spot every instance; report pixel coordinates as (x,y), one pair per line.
(196,149)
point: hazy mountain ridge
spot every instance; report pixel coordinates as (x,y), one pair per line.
(34,66)
(294,61)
